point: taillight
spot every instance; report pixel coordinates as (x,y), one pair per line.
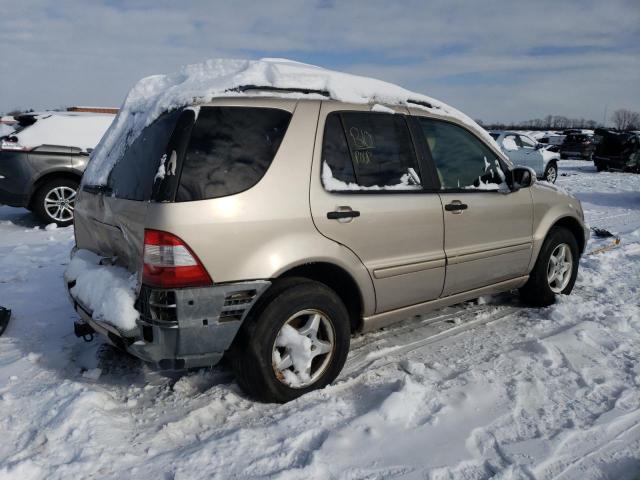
(12,143)
(170,263)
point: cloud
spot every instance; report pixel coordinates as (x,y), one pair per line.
(496,60)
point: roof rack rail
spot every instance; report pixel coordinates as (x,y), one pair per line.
(421,102)
(306,91)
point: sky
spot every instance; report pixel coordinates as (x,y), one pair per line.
(495,60)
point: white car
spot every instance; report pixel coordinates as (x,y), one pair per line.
(524,151)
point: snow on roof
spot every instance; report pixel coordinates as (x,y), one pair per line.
(200,83)
(65,129)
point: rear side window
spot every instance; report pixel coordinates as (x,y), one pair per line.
(230,150)
(368,151)
(462,161)
(132,177)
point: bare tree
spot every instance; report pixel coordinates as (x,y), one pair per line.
(624,119)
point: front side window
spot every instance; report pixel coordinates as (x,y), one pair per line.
(230,150)
(368,151)
(526,142)
(462,160)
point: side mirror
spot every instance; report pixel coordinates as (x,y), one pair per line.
(522,177)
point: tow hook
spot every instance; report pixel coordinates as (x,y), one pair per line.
(84,330)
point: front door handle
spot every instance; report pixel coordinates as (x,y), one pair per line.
(456,206)
(343,213)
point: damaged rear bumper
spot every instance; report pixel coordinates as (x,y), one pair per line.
(181,328)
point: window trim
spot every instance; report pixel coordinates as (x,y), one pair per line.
(426,187)
(505,168)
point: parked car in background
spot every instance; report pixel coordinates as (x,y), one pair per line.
(617,150)
(525,151)
(579,145)
(270,228)
(42,160)
(552,141)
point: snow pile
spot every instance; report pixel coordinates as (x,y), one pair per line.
(108,291)
(200,83)
(64,129)
(332,184)
(509,144)
(487,389)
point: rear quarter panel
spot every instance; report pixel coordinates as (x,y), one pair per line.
(266,230)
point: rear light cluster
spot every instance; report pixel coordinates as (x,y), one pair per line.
(11,143)
(170,263)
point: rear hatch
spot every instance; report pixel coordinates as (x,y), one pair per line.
(110,219)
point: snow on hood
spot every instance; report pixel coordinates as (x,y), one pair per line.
(200,83)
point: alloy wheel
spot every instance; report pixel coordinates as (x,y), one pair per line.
(303,348)
(560,268)
(59,203)
(552,175)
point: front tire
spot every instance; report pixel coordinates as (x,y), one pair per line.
(54,202)
(555,270)
(296,340)
(551,173)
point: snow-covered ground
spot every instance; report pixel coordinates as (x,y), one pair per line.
(487,389)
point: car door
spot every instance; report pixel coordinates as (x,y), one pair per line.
(488,228)
(530,155)
(368,193)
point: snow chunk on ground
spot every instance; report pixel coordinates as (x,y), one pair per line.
(200,83)
(108,291)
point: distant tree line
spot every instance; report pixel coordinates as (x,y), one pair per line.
(622,119)
(550,122)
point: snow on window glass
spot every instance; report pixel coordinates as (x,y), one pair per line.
(368,151)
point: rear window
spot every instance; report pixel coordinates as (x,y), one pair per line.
(230,150)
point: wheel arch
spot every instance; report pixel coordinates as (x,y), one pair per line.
(339,280)
(574,227)
(51,175)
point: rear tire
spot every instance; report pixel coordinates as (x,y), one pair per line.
(599,167)
(278,356)
(54,201)
(543,286)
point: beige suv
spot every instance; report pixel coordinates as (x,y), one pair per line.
(270,229)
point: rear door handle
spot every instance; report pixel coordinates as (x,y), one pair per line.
(343,213)
(456,206)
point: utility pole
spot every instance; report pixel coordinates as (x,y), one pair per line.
(604,117)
